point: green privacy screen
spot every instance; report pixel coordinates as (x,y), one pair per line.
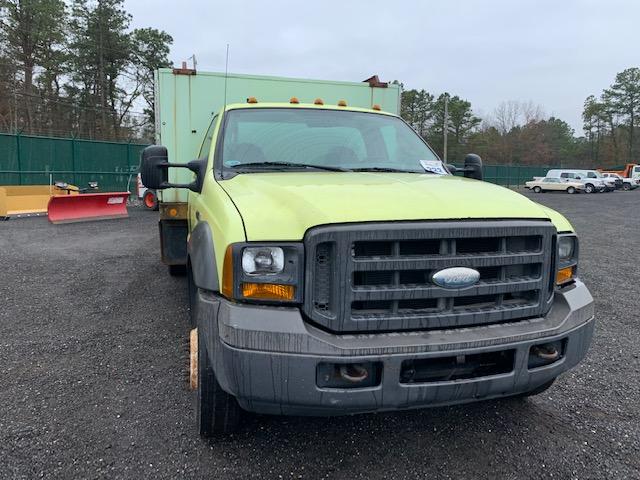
(29,160)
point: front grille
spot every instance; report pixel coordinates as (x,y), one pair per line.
(377,277)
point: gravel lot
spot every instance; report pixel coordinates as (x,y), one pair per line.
(93,357)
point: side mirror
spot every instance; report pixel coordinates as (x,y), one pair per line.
(154,169)
(472,167)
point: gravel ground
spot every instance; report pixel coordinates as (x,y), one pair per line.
(92,375)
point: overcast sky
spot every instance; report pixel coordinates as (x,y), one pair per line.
(553,53)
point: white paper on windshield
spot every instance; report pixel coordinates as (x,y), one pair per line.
(433,166)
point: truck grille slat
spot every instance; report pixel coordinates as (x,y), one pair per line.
(368,277)
(391,292)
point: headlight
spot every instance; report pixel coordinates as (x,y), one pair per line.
(271,273)
(262,260)
(567,259)
(566,247)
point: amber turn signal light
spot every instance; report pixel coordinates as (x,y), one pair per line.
(564,275)
(227,273)
(268,291)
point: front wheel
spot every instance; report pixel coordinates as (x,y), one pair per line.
(571,190)
(626,187)
(537,189)
(217,412)
(589,188)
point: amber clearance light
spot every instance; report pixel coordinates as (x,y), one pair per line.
(564,275)
(268,291)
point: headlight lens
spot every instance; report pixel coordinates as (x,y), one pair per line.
(566,247)
(265,273)
(262,260)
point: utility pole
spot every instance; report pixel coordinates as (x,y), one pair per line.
(445,126)
(15,109)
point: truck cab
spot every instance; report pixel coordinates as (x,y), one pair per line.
(336,265)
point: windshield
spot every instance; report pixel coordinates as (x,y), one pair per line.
(294,138)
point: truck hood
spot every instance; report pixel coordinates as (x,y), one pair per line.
(283,206)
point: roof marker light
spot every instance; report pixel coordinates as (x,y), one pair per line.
(252,100)
(318,101)
(376,107)
(294,100)
(342,103)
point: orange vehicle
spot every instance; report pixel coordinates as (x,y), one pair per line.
(631,170)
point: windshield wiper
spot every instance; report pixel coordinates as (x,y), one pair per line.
(385,169)
(290,165)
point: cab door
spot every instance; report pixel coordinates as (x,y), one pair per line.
(203,153)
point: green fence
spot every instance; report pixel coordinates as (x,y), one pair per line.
(513,175)
(30,160)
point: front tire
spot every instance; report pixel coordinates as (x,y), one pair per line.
(177,270)
(626,187)
(589,188)
(537,189)
(571,190)
(217,412)
(193,298)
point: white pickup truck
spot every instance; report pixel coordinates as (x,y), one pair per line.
(627,183)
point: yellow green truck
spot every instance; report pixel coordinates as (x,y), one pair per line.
(336,266)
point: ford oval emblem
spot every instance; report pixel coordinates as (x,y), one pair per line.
(456,277)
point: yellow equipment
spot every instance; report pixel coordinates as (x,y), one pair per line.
(25,199)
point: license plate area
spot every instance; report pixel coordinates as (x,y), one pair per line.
(457,367)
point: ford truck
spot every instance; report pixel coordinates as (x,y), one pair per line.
(335,265)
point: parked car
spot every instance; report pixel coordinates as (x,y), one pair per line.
(593,181)
(554,184)
(627,183)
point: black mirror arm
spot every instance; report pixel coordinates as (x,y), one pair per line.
(196,166)
(454,169)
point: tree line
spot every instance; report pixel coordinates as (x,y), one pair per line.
(520,133)
(77,69)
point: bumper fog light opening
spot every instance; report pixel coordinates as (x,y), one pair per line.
(546,353)
(348,375)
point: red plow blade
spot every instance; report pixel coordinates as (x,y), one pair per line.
(87,206)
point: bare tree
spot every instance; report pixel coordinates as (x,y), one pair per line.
(531,112)
(506,116)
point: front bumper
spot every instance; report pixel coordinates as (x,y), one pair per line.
(267,357)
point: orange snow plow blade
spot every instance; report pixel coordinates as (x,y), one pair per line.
(87,206)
